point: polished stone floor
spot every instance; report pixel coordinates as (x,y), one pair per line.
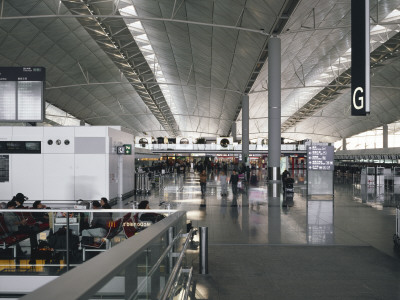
(269,246)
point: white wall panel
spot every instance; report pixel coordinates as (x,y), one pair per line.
(91,131)
(21,133)
(65,135)
(5,133)
(118,138)
(26,174)
(59,177)
(129,173)
(113,176)
(60,173)
(91,179)
(5,191)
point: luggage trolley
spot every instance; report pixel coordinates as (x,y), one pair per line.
(288,185)
(396,237)
(288,193)
(142,183)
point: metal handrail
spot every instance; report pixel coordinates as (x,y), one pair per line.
(158,263)
(188,284)
(175,270)
(166,251)
(99,270)
(113,210)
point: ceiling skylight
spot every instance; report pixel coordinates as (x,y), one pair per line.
(141,38)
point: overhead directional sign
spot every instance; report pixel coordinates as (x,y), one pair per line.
(360,58)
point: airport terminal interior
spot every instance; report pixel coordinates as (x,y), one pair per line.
(199,149)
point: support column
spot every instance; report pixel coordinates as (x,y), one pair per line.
(274,108)
(245,129)
(274,213)
(344,144)
(385,136)
(234,132)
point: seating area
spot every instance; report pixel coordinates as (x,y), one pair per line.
(10,240)
(54,242)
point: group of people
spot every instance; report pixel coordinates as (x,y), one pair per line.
(234,180)
(100,221)
(22,225)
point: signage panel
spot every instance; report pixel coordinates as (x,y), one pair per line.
(125,149)
(320,157)
(360,58)
(128,149)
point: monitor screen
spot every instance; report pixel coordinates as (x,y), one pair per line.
(21,94)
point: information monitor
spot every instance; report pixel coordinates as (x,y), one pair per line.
(21,94)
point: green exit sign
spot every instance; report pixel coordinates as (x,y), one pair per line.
(128,149)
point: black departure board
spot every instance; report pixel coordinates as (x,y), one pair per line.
(4,168)
(320,157)
(21,94)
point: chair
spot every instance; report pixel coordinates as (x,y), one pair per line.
(129,228)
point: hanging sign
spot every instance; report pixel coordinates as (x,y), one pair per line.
(360,58)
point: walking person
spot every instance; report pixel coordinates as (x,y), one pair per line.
(234,179)
(224,184)
(203,182)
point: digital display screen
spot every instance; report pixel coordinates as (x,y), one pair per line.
(21,94)
(20,147)
(32,146)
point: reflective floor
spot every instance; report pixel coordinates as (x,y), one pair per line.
(264,244)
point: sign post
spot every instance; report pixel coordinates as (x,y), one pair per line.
(320,167)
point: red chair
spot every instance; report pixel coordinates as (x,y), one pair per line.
(129,228)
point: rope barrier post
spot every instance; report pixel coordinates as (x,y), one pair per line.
(203,259)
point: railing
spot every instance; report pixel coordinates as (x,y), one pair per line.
(58,251)
(215,147)
(139,268)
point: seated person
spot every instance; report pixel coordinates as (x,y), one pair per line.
(151,217)
(99,225)
(15,226)
(39,216)
(104,203)
(19,199)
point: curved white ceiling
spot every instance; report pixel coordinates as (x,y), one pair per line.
(209,53)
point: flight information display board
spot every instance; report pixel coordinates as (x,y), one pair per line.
(320,157)
(21,94)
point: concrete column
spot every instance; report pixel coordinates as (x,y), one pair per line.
(385,136)
(245,128)
(344,144)
(274,108)
(234,135)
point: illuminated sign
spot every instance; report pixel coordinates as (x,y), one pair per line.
(128,149)
(124,150)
